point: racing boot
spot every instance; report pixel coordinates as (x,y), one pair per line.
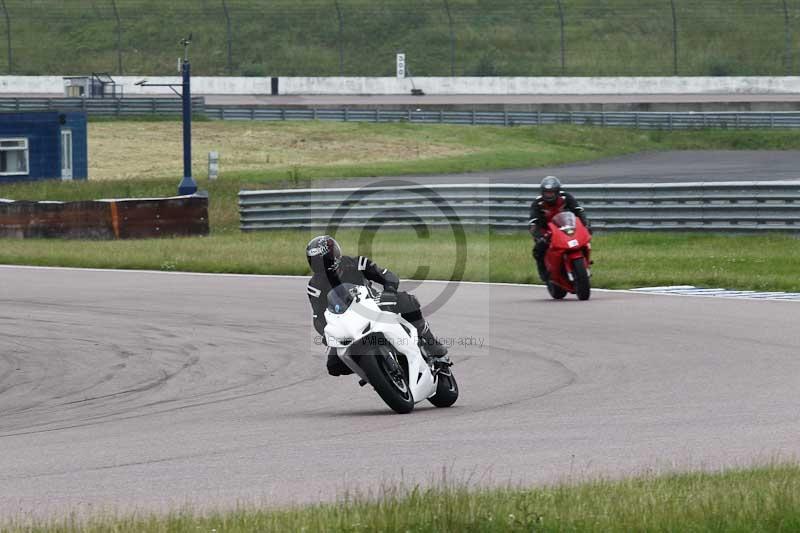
(336,366)
(434,351)
(543,272)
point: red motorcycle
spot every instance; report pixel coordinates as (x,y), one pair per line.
(568,257)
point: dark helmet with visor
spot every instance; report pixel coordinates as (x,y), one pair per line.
(323,254)
(550,189)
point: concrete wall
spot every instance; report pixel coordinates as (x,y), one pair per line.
(54,85)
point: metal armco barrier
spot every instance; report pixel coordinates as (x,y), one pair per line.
(725,206)
(104,106)
(641,120)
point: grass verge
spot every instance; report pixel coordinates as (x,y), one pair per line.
(752,500)
(622,260)
(139,158)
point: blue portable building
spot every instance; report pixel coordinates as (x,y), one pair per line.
(43,145)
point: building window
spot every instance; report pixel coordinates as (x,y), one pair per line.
(13,157)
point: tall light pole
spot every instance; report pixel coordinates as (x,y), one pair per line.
(187,184)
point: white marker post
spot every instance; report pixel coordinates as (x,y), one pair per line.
(213,165)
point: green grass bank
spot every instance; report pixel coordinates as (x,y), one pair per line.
(141,159)
(763,499)
(622,260)
(360,37)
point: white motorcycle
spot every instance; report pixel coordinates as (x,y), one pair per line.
(382,349)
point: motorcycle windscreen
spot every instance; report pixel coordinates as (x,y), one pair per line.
(565,221)
(340,298)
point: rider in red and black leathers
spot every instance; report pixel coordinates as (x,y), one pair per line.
(548,204)
(331,268)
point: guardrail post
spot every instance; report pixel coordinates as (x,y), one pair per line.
(377,114)
(346,114)
(505,118)
(409,115)
(283,114)
(603,118)
(670,122)
(737,121)
(441,116)
(314,113)
(772,121)
(473,117)
(636,120)
(538,118)
(252,113)
(16,103)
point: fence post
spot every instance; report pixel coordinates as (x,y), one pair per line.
(788,32)
(229,36)
(452,39)
(563,41)
(119,37)
(674,38)
(8,37)
(340,36)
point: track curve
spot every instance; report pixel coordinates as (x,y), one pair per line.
(644,167)
(135,390)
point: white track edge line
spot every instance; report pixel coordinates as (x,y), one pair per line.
(294,276)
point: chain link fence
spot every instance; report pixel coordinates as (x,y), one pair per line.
(439,37)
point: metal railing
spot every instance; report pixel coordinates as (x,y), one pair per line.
(724,206)
(104,106)
(168,106)
(629,119)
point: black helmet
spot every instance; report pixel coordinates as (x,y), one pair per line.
(323,254)
(550,189)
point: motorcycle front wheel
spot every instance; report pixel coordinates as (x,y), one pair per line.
(583,287)
(387,377)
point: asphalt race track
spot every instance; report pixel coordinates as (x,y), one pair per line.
(646,167)
(135,390)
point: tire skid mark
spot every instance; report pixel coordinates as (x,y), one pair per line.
(113,417)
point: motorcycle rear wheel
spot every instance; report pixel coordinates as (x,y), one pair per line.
(446,389)
(555,291)
(583,287)
(388,378)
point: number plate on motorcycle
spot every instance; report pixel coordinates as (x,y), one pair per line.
(573,243)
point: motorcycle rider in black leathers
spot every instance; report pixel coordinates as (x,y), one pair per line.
(551,201)
(330,268)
